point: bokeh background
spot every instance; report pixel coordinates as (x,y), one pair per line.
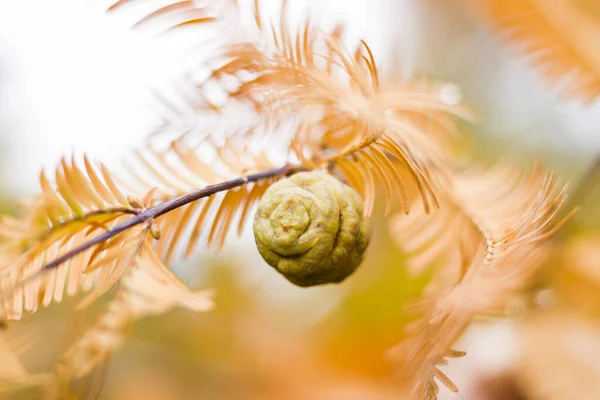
(73,79)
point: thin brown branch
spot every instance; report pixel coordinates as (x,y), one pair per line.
(107,211)
(156,212)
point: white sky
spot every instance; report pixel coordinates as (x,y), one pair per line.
(75,79)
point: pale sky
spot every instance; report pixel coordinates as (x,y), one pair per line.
(76,80)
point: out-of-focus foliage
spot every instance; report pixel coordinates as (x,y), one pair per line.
(560,38)
(558,334)
(476,240)
(247,349)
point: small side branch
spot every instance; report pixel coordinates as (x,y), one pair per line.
(156,212)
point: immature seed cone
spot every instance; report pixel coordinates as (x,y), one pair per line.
(310,228)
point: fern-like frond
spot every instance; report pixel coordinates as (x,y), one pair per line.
(87,225)
(561,38)
(341,111)
(449,237)
(80,203)
(498,225)
(332,104)
(147,289)
(83,203)
(180,170)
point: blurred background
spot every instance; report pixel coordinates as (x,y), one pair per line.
(73,79)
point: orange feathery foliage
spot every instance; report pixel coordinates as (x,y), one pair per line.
(496,238)
(66,214)
(485,231)
(331,103)
(84,202)
(136,298)
(180,170)
(561,37)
